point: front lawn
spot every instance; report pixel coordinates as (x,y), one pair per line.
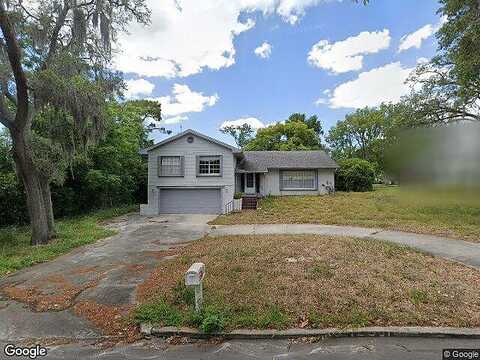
(448,213)
(17,253)
(311,281)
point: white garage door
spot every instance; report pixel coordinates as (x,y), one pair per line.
(190,201)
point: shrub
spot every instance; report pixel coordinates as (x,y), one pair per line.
(213,320)
(238,195)
(13,208)
(355,175)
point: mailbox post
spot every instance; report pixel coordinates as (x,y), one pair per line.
(194,277)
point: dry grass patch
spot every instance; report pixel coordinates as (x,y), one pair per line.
(447,213)
(313,281)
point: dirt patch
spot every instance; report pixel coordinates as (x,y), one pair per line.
(135,267)
(111,320)
(53,292)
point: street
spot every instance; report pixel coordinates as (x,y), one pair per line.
(331,349)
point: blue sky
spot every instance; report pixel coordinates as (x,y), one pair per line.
(201,62)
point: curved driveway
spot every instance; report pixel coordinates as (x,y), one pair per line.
(457,250)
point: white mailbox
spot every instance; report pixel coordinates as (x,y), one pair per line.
(194,277)
(195,274)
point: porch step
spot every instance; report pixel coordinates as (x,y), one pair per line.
(249,203)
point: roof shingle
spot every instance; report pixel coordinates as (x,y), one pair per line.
(261,161)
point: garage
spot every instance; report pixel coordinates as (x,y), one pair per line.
(190,201)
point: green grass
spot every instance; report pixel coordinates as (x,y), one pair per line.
(16,252)
(159,312)
(210,319)
(444,212)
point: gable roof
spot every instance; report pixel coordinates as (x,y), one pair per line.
(195,133)
(261,161)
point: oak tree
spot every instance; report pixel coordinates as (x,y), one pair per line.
(55,59)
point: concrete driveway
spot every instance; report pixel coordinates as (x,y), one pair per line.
(59,298)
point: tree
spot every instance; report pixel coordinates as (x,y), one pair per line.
(6,161)
(242,134)
(54,57)
(450,83)
(297,133)
(312,122)
(118,153)
(361,134)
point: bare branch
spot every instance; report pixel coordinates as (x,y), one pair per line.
(56,32)
(28,12)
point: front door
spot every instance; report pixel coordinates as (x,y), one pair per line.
(250,184)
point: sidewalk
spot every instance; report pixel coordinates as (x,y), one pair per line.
(457,250)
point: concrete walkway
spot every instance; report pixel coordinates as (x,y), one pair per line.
(457,250)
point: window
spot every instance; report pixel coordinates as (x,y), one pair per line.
(298,180)
(209,166)
(170,166)
(249,180)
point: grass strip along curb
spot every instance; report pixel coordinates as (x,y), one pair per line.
(245,334)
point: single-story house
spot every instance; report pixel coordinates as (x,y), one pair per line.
(191,173)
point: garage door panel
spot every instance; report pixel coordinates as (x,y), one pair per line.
(190,201)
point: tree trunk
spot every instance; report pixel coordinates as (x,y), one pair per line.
(26,171)
(47,200)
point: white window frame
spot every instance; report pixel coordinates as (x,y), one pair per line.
(210,166)
(299,172)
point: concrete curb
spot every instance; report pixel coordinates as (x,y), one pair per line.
(244,334)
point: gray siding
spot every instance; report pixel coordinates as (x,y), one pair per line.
(190,151)
(270,183)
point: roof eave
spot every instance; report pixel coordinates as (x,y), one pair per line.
(196,133)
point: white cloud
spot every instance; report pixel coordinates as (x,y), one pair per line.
(253,122)
(322,101)
(422,60)
(187,36)
(139,87)
(174,120)
(292,10)
(183,101)
(415,39)
(264,51)
(347,55)
(371,88)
